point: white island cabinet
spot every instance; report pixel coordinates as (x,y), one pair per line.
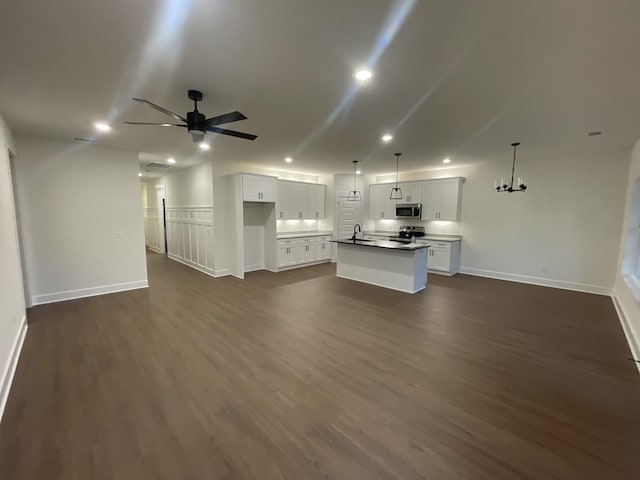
(444,255)
(383,263)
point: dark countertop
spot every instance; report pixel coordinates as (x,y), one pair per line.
(382,244)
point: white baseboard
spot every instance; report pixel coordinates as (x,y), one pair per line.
(222,272)
(300,265)
(87,292)
(544,282)
(154,249)
(192,265)
(253,268)
(634,344)
(10,368)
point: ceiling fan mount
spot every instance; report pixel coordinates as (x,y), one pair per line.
(195,122)
(195,95)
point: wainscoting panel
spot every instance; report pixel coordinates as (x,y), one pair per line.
(190,236)
(152,229)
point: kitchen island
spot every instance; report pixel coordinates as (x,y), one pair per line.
(388,264)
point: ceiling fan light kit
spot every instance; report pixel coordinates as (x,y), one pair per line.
(503,186)
(195,122)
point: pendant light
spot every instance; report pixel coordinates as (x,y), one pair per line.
(502,186)
(396,192)
(354,195)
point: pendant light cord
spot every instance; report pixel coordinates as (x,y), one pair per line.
(355,162)
(397,162)
(513,166)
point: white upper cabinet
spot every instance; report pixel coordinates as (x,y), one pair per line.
(411,192)
(298,200)
(441,199)
(317,196)
(284,200)
(301,201)
(381,206)
(258,188)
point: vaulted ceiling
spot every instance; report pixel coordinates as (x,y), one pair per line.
(460,78)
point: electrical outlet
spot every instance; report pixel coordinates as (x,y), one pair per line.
(543,268)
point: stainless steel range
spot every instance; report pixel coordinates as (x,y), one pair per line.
(406,233)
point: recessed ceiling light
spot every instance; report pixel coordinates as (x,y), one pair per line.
(171,160)
(358,172)
(103,127)
(139,174)
(288,159)
(204,146)
(363,75)
(387,137)
(167,125)
(446,160)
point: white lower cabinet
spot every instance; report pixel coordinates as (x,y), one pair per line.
(307,253)
(287,256)
(323,251)
(443,257)
(301,251)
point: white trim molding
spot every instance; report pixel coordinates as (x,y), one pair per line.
(543,282)
(10,368)
(634,344)
(87,292)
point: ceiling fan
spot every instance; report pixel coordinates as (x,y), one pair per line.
(196,123)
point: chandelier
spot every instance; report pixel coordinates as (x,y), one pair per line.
(502,186)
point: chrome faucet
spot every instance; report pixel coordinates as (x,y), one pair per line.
(357,225)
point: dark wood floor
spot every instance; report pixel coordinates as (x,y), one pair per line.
(301,375)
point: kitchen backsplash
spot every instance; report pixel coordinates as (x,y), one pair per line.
(452,228)
(302,225)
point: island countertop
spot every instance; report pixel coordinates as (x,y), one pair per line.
(381,244)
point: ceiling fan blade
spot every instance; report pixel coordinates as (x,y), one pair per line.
(226,118)
(162,124)
(160,109)
(233,133)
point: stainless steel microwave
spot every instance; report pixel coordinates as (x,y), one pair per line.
(409,210)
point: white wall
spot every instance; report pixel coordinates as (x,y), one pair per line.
(81,219)
(627,305)
(569,220)
(12,307)
(191,187)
